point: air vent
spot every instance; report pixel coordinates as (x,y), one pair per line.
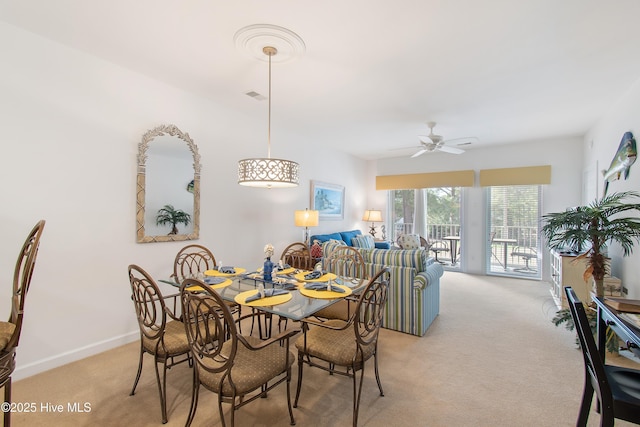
(255,95)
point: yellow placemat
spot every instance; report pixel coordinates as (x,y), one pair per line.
(324,278)
(216,286)
(275,300)
(325,294)
(239,270)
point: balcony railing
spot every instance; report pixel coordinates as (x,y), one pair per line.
(525,237)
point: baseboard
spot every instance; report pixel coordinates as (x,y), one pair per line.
(25,371)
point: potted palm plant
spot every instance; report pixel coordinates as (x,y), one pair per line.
(588,230)
(169,215)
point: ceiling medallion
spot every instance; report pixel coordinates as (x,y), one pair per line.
(252,40)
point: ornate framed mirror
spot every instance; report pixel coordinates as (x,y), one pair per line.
(168,186)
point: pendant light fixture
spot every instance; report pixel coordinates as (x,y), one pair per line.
(267,172)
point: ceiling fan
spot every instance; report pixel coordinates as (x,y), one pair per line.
(433,142)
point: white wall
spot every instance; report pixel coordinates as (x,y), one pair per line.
(600,146)
(563,154)
(71,124)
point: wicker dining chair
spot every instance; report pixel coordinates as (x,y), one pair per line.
(344,261)
(162,334)
(298,255)
(239,369)
(341,347)
(10,330)
(191,262)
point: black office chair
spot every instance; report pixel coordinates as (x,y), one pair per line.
(618,389)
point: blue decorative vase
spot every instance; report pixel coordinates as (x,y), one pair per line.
(267,269)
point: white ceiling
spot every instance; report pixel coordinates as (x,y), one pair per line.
(375,71)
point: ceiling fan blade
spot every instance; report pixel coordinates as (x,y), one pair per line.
(466,139)
(420,152)
(448,149)
(411,147)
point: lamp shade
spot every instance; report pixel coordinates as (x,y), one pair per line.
(372,215)
(306,218)
(268,172)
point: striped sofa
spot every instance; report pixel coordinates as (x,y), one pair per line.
(414,291)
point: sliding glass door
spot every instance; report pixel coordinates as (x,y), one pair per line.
(513,244)
(443,223)
(401,212)
(433,213)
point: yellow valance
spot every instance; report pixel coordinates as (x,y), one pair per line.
(531,175)
(463,178)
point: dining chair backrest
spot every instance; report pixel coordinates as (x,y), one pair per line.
(22,281)
(10,330)
(191,261)
(210,326)
(594,365)
(369,310)
(150,306)
(298,255)
(345,261)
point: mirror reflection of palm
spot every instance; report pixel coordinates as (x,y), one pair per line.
(169,215)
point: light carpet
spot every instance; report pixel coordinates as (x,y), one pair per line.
(492,358)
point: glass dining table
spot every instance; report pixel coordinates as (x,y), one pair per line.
(302,303)
(299,302)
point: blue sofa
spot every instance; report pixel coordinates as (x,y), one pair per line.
(414,287)
(346,237)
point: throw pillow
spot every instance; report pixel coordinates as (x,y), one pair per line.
(363,242)
(409,241)
(316,250)
(347,236)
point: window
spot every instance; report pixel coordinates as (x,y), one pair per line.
(401,205)
(443,212)
(513,226)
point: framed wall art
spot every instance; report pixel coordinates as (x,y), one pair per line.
(327,199)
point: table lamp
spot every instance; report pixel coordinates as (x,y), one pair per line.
(306,219)
(372,216)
